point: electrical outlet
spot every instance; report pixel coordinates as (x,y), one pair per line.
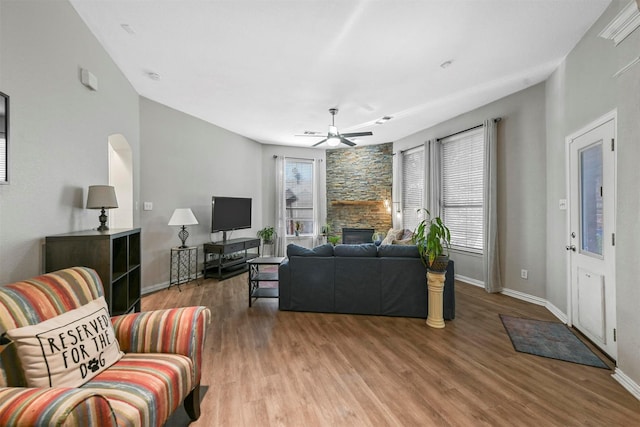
(524,274)
(147,206)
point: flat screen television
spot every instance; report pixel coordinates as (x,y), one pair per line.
(230,213)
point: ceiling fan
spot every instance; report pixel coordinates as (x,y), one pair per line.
(333,137)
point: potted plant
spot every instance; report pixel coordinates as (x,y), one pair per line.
(432,238)
(325,230)
(267,234)
(334,240)
(298,228)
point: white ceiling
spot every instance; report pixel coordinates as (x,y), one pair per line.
(270,69)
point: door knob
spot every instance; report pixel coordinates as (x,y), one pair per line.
(571,248)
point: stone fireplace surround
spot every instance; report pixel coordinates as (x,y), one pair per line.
(359,180)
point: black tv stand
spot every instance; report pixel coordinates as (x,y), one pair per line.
(228,257)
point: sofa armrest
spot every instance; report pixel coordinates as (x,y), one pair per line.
(58,406)
(176,330)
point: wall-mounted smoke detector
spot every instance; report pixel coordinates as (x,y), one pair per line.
(383,120)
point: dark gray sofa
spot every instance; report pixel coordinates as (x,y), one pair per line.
(389,280)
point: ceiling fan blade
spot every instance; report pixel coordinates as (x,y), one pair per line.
(347,142)
(356,134)
(319,135)
(318,143)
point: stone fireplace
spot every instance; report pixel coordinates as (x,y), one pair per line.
(359,184)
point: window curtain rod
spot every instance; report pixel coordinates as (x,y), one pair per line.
(275,156)
(467,130)
(409,149)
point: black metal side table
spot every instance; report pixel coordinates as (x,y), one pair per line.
(184,266)
(256,276)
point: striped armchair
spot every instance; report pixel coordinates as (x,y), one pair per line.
(160,368)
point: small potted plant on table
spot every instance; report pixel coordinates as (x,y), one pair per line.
(268,236)
(432,238)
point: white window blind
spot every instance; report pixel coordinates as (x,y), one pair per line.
(462,165)
(412,186)
(299,196)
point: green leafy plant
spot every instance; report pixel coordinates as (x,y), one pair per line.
(334,240)
(432,238)
(267,234)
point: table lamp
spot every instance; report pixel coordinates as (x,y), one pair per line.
(102,197)
(183,217)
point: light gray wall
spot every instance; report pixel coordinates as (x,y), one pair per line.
(59,128)
(521,186)
(581,90)
(186,161)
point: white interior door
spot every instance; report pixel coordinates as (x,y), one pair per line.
(592,234)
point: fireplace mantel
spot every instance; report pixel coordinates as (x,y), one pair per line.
(355,202)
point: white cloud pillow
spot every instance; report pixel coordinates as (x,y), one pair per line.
(68,350)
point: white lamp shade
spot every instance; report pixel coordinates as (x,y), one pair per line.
(101,197)
(183,216)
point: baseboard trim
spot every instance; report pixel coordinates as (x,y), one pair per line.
(155,288)
(469,280)
(557,312)
(524,297)
(626,382)
(162,285)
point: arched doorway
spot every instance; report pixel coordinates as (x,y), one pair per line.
(121,177)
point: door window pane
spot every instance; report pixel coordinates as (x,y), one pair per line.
(299,196)
(591,206)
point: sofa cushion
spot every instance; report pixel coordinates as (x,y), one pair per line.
(69,349)
(322,250)
(145,388)
(361,250)
(406,251)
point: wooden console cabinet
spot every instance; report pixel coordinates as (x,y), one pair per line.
(228,258)
(114,254)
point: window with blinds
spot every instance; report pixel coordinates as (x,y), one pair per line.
(412,186)
(462,165)
(299,196)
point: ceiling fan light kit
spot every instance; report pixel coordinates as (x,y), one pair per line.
(333,138)
(333,141)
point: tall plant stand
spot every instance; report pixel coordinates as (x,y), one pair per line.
(435,286)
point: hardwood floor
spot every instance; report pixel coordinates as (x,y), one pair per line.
(264,367)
